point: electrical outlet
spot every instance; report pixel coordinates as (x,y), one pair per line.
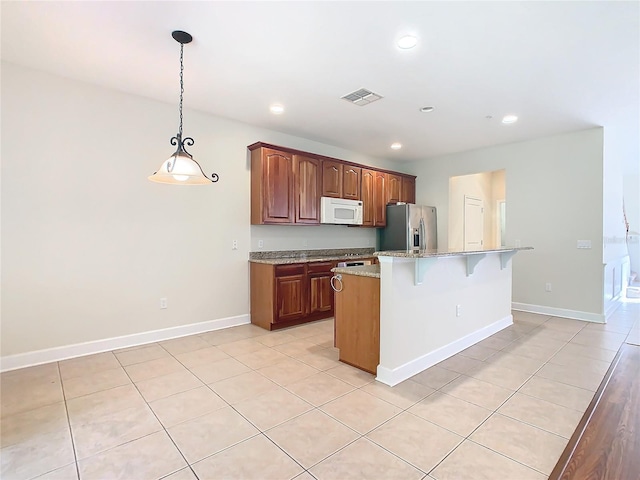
(458,310)
(234,245)
(305,243)
(517,244)
(584,243)
(547,287)
(163,302)
(260,243)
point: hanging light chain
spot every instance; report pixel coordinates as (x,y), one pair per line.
(181,85)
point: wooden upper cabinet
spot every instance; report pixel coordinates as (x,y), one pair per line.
(340,180)
(287,184)
(366,195)
(394,184)
(332,179)
(272,196)
(408,190)
(351,177)
(379,199)
(307,185)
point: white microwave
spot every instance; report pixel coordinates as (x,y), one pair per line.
(340,211)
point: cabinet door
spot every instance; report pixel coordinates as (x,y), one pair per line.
(320,293)
(290,298)
(379,199)
(366,196)
(393,188)
(306,175)
(408,190)
(277,187)
(332,179)
(351,182)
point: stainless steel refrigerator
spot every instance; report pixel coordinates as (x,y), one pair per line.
(409,227)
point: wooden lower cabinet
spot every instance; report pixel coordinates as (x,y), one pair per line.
(320,291)
(287,295)
(357,322)
(290,301)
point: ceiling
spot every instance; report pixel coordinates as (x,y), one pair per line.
(558,66)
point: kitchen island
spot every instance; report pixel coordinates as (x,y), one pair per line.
(434,304)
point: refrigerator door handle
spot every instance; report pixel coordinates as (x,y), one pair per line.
(423,234)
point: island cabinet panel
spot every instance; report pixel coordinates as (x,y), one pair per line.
(357,322)
(408,190)
(394,187)
(379,199)
(351,179)
(366,195)
(307,184)
(290,294)
(332,179)
(272,195)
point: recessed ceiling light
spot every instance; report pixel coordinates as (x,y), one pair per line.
(396,146)
(508,119)
(276,109)
(427,109)
(407,42)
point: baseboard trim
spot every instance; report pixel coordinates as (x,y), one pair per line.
(559,312)
(612,307)
(38,357)
(394,376)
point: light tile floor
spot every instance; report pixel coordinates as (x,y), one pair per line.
(244,403)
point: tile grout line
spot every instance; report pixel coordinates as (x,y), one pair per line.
(492,414)
(66,410)
(260,431)
(159,422)
(522,338)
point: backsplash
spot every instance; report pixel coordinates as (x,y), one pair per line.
(336,252)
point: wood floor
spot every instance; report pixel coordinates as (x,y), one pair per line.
(606,444)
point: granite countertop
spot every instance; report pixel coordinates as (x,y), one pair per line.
(445,252)
(305,256)
(372,271)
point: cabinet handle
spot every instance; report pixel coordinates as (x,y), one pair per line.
(337,278)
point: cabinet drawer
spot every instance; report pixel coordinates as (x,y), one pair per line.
(291,269)
(320,267)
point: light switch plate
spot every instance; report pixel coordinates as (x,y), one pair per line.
(584,243)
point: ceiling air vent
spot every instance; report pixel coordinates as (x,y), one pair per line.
(361,97)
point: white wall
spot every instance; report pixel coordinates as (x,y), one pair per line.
(486,186)
(614,254)
(554,197)
(276,237)
(631,191)
(89,245)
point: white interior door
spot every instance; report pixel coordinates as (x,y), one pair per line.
(473,223)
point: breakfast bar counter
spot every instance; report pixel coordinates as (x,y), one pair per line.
(434,304)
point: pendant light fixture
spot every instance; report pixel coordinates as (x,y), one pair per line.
(181,168)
